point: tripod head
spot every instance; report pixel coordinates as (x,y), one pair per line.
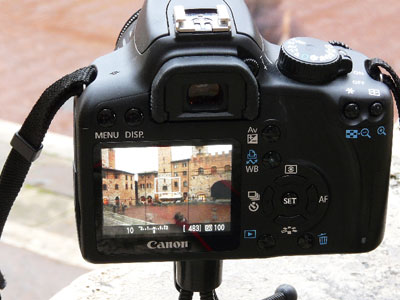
(206,276)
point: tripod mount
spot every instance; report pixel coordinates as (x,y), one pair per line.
(205,277)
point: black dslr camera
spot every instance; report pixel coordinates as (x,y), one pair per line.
(201,140)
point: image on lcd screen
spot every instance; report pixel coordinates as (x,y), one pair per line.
(168,189)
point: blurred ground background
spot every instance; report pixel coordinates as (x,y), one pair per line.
(40,41)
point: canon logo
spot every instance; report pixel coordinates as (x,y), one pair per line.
(168,245)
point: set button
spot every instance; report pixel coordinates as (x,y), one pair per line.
(290,199)
(295,202)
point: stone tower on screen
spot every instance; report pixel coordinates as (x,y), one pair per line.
(164,170)
(108,158)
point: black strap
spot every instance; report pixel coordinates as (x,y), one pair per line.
(27,143)
(392,80)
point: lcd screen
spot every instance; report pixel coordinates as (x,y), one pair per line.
(166,190)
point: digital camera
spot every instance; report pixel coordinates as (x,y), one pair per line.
(201,140)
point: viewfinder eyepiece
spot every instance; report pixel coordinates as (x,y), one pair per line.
(205,97)
(204,88)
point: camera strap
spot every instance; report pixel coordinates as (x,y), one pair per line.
(392,80)
(27,143)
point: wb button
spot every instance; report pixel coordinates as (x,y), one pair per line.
(250,234)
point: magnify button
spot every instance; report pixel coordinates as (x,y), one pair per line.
(365,133)
(381,130)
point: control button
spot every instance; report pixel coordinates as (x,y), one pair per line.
(253,65)
(291,169)
(268,196)
(250,234)
(323,239)
(252,158)
(310,60)
(271,133)
(306,241)
(106,118)
(352,111)
(266,241)
(381,130)
(253,196)
(289,230)
(272,159)
(290,180)
(293,220)
(134,117)
(254,206)
(376,109)
(312,195)
(290,199)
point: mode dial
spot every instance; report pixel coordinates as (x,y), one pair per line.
(311,60)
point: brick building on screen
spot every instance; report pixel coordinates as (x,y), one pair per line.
(202,176)
(118,186)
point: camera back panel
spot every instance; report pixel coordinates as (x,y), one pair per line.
(213,145)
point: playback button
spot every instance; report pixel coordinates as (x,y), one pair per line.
(250,234)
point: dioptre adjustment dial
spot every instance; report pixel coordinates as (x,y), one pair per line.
(311,60)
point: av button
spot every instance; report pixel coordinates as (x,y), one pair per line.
(271,133)
(290,199)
